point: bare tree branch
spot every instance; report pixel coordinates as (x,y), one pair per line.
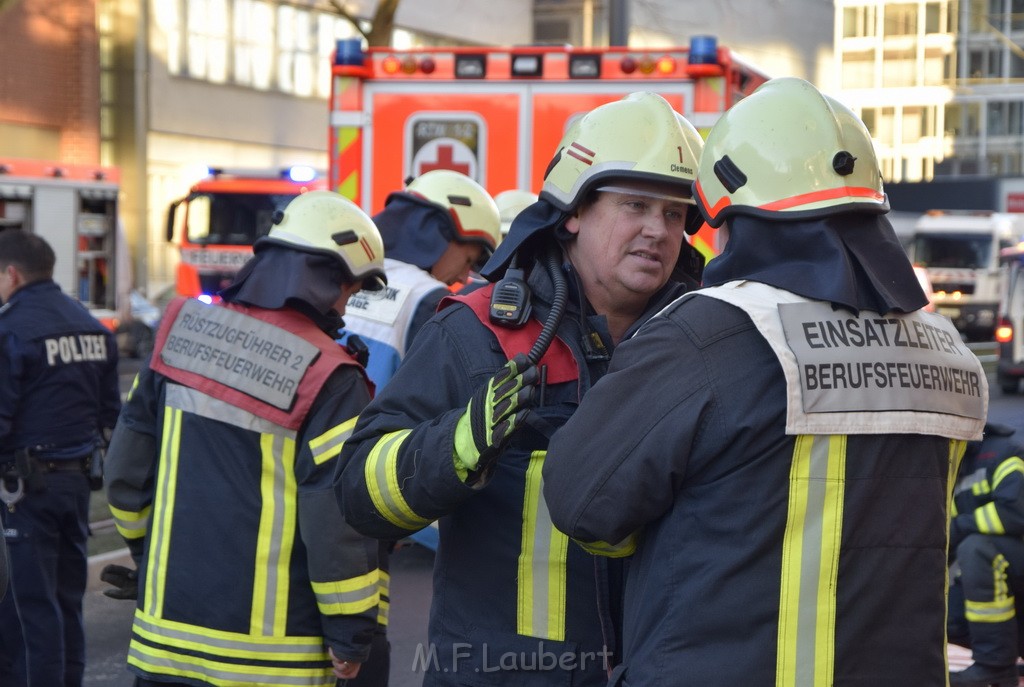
(382,25)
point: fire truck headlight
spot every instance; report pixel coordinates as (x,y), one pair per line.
(584,66)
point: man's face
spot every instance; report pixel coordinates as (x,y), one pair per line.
(627,244)
(456,262)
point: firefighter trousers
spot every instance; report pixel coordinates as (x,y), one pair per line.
(991,580)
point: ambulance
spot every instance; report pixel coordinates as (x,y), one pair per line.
(498,114)
(215,225)
(75,208)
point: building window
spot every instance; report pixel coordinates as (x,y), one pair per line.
(207,43)
(858,73)
(899,73)
(1017,18)
(859,22)
(933,18)
(900,20)
(253,44)
(964,119)
(913,125)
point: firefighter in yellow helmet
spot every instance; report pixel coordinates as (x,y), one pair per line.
(510,203)
(436,231)
(775,449)
(219,472)
(459,434)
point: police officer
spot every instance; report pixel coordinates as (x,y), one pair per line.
(59,393)
(777,448)
(220,468)
(435,232)
(459,433)
(986,542)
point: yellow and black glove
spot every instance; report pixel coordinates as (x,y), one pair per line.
(493,415)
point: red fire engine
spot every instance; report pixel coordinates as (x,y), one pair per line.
(216,224)
(497,114)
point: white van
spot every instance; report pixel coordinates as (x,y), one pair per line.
(960,252)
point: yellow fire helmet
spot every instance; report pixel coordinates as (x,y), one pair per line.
(328,223)
(510,203)
(788,150)
(639,137)
(473,210)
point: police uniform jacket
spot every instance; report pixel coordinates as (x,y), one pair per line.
(60,384)
(512,596)
(762,530)
(247,571)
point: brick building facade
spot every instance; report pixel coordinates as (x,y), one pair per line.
(49,88)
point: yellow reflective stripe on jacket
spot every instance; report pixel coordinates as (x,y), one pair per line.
(626,547)
(1014,464)
(1002,606)
(810,562)
(228,644)
(278,495)
(384,591)
(130,524)
(987,520)
(170,648)
(542,563)
(348,597)
(381,473)
(981,487)
(163,512)
(330,443)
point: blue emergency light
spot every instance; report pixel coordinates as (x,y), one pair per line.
(349,51)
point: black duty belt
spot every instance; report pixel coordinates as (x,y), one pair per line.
(75,465)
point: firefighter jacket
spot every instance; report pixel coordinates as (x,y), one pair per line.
(989,496)
(219,477)
(515,602)
(770,460)
(387,323)
(59,365)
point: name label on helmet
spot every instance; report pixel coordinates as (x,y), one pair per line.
(870,362)
(383,307)
(238,351)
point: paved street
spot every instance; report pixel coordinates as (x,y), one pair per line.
(108,624)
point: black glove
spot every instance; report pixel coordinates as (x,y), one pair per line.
(494,413)
(125,581)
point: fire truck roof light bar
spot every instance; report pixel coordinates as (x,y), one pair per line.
(470,66)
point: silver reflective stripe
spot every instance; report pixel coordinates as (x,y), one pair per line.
(204,405)
(225,673)
(278,495)
(297,649)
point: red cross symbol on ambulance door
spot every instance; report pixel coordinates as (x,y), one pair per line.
(445,160)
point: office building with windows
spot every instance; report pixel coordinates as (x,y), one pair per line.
(940,83)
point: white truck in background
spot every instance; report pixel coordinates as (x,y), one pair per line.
(960,251)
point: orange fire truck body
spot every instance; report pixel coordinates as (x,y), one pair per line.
(223,214)
(498,114)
